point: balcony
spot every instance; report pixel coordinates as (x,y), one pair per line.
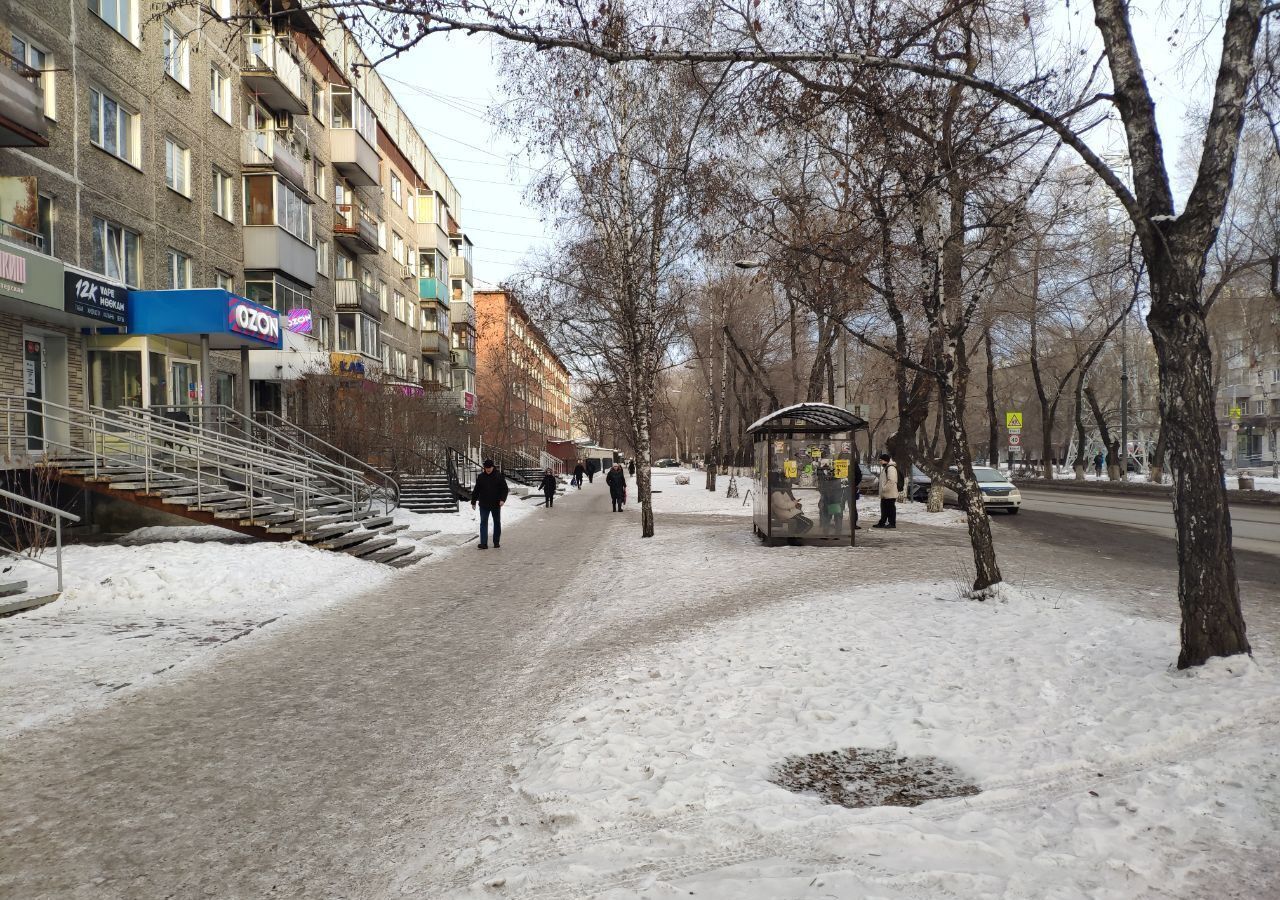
(351,295)
(22,121)
(271,247)
(353,230)
(271,72)
(431,235)
(460,267)
(435,344)
(464,359)
(354,158)
(270,149)
(434,289)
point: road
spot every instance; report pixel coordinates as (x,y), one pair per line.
(1253,528)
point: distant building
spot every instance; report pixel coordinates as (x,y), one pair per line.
(523,386)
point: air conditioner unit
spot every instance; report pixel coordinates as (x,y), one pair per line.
(284,121)
(406,271)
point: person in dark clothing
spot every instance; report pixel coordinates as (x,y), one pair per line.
(1097,464)
(631,468)
(832,499)
(578,472)
(592,467)
(617,481)
(857,492)
(490,493)
(548,488)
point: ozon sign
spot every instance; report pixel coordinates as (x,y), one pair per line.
(256,321)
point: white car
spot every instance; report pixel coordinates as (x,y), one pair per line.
(997,491)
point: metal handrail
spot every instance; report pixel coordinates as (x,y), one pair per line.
(328,448)
(190,457)
(56,528)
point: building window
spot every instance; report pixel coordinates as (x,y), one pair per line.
(398,305)
(411,314)
(177,55)
(382,295)
(221,8)
(269,200)
(318,105)
(319,178)
(324,332)
(276,292)
(116,252)
(346,266)
(222,280)
(397,248)
(397,190)
(177,167)
(119,14)
(322,258)
(112,127)
(29,54)
(219,94)
(223,198)
(44,216)
(179,269)
(382,232)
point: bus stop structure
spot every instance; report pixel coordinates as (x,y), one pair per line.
(804,459)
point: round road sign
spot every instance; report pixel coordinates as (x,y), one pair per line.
(1015,440)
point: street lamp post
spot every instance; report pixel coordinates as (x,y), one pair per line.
(1124,398)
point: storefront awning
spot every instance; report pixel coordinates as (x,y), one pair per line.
(231,321)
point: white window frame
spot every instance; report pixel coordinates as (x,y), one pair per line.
(178,264)
(112,235)
(397,247)
(382,295)
(397,305)
(397,190)
(125,126)
(322,258)
(221,8)
(223,195)
(220,94)
(37,57)
(109,12)
(177,166)
(175,55)
(224,280)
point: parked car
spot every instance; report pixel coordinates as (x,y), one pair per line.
(997,491)
(667,463)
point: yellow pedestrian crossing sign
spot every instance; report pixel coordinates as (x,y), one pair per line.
(1013,420)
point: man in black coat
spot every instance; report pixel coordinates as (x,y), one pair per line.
(617,481)
(548,486)
(490,492)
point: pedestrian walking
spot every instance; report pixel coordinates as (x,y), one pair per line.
(832,500)
(888,493)
(578,471)
(548,489)
(592,466)
(490,493)
(617,481)
(631,468)
(1097,464)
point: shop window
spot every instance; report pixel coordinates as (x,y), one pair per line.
(176,55)
(179,269)
(115,378)
(224,388)
(116,252)
(39,59)
(113,127)
(220,94)
(122,15)
(177,167)
(223,198)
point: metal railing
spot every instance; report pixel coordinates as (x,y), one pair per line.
(36,506)
(155,451)
(307,441)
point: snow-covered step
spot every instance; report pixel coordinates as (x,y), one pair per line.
(365,548)
(389,554)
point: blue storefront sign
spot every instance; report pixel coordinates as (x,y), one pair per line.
(95,298)
(230,321)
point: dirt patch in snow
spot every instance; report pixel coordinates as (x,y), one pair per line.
(858,777)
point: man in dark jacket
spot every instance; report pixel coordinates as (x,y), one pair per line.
(617,481)
(490,492)
(548,486)
(579,472)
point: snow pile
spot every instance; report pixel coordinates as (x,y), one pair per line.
(1102,772)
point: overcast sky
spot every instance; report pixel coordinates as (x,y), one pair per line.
(448,84)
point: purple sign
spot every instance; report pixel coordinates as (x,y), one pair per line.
(298,321)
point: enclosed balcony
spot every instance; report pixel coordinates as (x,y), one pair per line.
(460,267)
(270,148)
(350,294)
(434,289)
(272,72)
(22,121)
(464,358)
(353,137)
(435,344)
(354,230)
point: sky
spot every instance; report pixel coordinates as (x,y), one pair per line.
(450,107)
(449,83)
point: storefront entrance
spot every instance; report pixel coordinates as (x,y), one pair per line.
(33,385)
(44,380)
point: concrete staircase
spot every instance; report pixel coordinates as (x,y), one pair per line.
(242,482)
(427,493)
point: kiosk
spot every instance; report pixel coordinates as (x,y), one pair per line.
(804,460)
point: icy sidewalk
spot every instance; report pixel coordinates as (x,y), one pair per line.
(164,597)
(1103,773)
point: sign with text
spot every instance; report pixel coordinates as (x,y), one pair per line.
(1013,421)
(349,365)
(298,321)
(1015,440)
(789,468)
(246,317)
(842,468)
(95,298)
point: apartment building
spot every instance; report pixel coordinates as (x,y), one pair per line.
(1249,396)
(524,387)
(195,209)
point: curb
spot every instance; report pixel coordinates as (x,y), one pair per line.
(1139,489)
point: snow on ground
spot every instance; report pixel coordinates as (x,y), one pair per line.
(694,499)
(1260,482)
(161,595)
(1103,772)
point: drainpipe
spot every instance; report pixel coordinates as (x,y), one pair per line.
(206,376)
